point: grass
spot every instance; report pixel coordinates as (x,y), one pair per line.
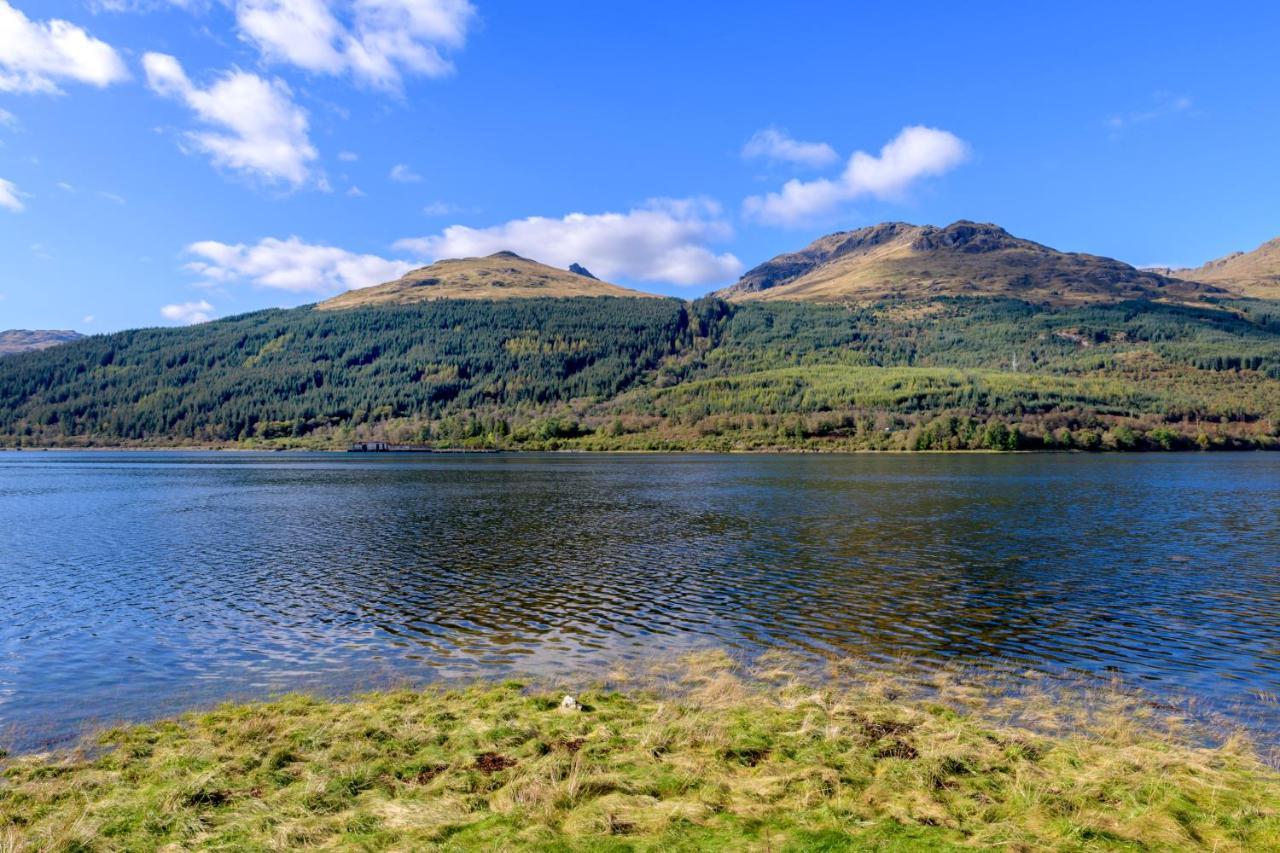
(697,756)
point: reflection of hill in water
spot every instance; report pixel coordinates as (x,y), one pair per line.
(247,573)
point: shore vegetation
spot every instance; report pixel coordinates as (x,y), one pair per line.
(693,756)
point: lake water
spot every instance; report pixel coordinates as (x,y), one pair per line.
(134,584)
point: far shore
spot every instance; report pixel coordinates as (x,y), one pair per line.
(771,451)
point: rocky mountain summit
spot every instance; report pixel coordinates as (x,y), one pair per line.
(901,260)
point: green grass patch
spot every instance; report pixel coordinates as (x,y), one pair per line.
(714,759)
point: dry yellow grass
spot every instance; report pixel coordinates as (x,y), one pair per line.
(696,755)
(1255,273)
(897,260)
(500,276)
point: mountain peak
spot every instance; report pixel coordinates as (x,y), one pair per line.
(579,269)
(502,275)
(965,258)
(1255,273)
(14,341)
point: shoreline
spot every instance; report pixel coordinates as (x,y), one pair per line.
(686,755)
(781,451)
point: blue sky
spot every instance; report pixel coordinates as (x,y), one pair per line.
(164,161)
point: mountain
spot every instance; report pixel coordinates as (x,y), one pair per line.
(504,275)
(24,340)
(1036,349)
(897,259)
(664,374)
(1255,273)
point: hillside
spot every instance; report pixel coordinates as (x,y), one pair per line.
(1255,273)
(661,374)
(899,260)
(15,341)
(504,275)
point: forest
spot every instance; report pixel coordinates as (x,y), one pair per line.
(664,374)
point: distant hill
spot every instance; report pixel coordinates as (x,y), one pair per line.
(24,340)
(896,259)
(1255,273)
(504,275)
(991,342)
(663,374)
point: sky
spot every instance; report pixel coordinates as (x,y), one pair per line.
(172,161)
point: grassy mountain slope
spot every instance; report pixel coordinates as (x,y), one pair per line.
(15,341)
(898,260)
(663,374)
(504,275)
(1255,273)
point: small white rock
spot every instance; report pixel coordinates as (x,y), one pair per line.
(568,703)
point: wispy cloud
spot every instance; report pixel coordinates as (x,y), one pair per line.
(1163,105)
(402,174)
(112,197)
(11,196)
(261,131)
(777,145)
(378,42)
(439,208)
(916,152)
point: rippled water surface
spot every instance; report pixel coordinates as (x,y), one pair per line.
(132,584)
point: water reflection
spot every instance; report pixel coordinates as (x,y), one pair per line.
(134,583)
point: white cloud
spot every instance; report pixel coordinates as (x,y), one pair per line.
(66,187)
(88,320)
(916,152)
(112,197)
(403,174)
(1164,105)
(663,241)
(262,131)
(188,313)
(774,144)
(35,55)
(292,265)
(439,208)
(11,196)
(8,119)
(348,156)
(143,5)
(377,41)
(355,192)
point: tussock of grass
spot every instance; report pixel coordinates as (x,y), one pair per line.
(702,756)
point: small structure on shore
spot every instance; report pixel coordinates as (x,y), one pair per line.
(369,447)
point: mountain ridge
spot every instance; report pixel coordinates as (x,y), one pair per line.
(965,258)
(1255,273)
(14,341)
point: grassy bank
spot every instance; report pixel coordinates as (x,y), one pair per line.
(698,757)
